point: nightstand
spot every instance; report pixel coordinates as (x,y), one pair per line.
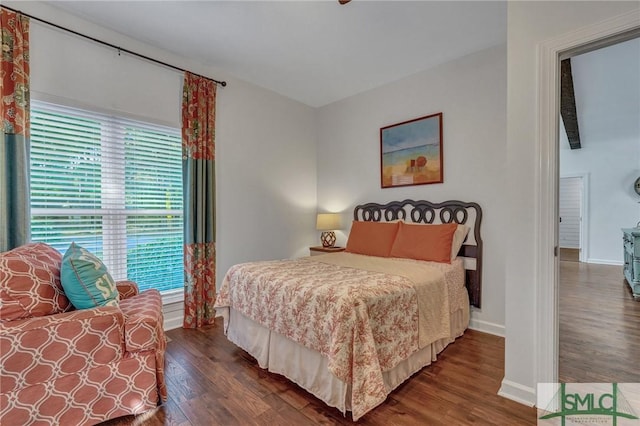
(322,250)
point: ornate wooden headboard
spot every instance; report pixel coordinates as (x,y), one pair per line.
(422,211)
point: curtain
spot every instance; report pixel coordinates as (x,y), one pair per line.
(198,179)
(15,212)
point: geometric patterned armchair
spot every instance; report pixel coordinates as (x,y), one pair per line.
(61,366)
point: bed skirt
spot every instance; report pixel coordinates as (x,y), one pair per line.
(309,369)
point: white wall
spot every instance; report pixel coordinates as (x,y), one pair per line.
(471,93)
(265,143)
(607,86)
(266,177)
(70,70)
(530,23)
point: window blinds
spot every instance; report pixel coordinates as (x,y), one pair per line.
(112,185)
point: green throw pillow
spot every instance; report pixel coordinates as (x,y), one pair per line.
(86,281)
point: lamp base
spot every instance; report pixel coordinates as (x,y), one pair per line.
(328,238)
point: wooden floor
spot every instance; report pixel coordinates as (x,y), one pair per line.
(599,325)
(212,382)
(570,254)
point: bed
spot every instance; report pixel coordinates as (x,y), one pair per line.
(350,327)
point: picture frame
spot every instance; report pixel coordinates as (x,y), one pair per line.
(411,152)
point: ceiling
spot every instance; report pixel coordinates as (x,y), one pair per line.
(607,90)
(316,52)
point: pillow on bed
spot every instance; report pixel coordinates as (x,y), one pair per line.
(458,239)
(458,236)
(421,242)
(372,238)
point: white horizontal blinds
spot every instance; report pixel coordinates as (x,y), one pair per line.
(66,179)
(69,149)
(113,185)
(153,200)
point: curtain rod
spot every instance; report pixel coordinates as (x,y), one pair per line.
(120,49)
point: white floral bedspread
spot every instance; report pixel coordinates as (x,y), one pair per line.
(365,322)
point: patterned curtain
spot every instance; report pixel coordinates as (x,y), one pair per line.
(15,214)
(198,177)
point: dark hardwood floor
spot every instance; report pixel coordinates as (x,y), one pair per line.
(599,325)
(212,382)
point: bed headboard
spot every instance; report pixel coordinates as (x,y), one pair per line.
(422,211)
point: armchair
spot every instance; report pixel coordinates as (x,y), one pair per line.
(60,366)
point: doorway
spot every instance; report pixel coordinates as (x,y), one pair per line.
(593,292)
(571,211)
(606,102)
(550,53)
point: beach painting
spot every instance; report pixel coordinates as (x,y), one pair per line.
(411,152)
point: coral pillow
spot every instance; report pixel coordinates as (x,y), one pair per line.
(30,283)
(86,281)
(421,242)
(372,238)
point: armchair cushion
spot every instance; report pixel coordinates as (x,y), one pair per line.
(85,279)
(30,283)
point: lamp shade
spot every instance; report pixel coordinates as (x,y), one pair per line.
(328,221)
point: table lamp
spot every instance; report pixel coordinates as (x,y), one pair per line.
(327,223)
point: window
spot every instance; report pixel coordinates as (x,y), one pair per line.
(112,185)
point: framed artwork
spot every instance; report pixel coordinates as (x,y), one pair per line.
(411,152)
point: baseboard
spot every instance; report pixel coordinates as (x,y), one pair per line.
(172,320)
(486,327)
(518,393)
(605,262)
(173,315)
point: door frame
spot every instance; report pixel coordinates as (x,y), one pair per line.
(584,212)
(547,174)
